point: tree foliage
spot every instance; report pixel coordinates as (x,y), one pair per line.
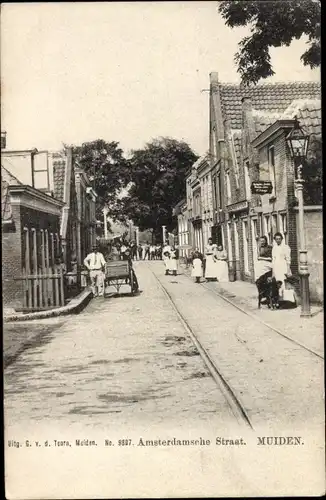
(107,167)
(313,174)
(157,173)
(272,24)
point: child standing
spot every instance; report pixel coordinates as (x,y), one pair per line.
(197,266)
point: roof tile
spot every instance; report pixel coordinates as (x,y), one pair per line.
(266,96)
(7,179)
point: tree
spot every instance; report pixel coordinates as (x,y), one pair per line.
(313,174)
(273,24)
(106,166)
(157,173)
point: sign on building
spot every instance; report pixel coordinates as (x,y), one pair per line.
(261,187)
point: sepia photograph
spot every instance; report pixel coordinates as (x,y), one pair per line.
(162,249)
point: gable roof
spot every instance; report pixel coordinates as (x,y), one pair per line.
(268,97)
(7,179)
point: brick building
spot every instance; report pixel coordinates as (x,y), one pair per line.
(199,203)
(30,245)
(248,127)
(55,174)
(180,211)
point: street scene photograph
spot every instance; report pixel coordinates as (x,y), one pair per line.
(162,249)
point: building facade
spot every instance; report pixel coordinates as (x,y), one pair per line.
(248,129)
(181,213)
(199,203)
(30,246)
(56,175)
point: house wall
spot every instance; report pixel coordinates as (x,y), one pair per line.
(12,249)
(12,290)
(314,242)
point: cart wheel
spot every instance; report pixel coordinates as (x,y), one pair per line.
(132,283)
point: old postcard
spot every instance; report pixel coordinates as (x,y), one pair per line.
(162,251)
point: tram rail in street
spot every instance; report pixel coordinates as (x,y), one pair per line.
(256,318)
(234,402)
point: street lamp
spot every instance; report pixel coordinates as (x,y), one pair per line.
(298,143)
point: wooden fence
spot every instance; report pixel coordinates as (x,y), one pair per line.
(43,272)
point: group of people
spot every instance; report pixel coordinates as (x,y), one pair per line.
(212,265)
(274,262)
(143,251)
(271,262)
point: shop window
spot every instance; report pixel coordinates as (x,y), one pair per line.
(283,227)
(274,225)
(267,228)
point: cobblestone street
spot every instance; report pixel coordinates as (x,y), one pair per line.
(131,360)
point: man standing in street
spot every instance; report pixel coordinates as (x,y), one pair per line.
(95,263)
(146,248)
(140,251)
(152,252)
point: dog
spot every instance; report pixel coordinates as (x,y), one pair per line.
(268,291)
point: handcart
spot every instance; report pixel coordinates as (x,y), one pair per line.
(119,273)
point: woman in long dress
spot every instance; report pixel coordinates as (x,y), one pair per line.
(263,268)
(210,267)
(172,263)
(166,257)
(197,266)
(222,265)
(281,261)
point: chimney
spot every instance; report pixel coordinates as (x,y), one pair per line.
(213,77)
(246,103)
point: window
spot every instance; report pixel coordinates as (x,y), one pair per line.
(247,180)
(283,226)
(274,225)
(271,168)
(228,188)
(197,204)
(40,171)
(245,234)
(219,192)
(267,228)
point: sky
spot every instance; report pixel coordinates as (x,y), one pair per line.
(125,72)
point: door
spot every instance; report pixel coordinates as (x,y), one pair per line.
(254,233)
(245,235)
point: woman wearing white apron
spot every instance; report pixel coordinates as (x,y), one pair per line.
(281,260)
(210,268)
(166,257)
(222,265)
(197,266)
(172,265)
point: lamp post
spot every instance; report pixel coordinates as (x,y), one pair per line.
(298,144)
(164,234)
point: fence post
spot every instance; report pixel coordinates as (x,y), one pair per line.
(34,267)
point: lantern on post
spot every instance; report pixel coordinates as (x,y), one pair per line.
(298,143)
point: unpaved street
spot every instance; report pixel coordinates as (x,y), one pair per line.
(130,361)
(123,359)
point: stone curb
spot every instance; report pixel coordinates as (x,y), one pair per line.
(74,307)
